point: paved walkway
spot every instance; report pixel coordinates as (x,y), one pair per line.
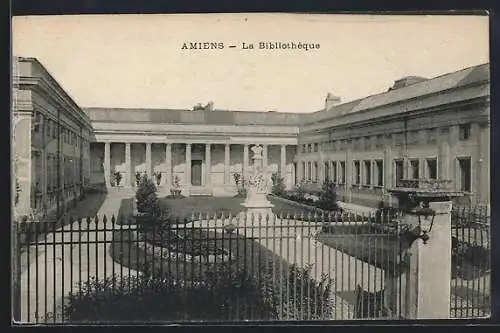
(61,267)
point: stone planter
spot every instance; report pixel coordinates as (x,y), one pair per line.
(175,192)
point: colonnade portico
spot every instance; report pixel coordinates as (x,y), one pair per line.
(191,162)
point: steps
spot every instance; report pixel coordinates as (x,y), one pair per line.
(200,191)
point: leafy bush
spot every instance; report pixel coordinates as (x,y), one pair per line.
(146,198)
(221,294)
(279,186)
(301,297)
(328,196)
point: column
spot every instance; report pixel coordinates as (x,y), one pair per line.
(168,164)
(300,170)
(444,156)
(107,164)
(372,174)
(44,163)
(148,159)
(452,164)
(348,172)
(245,161)
(227,157)
(388,176)
(128,165)
(483,185)
(187,175)
(264,157)
(208,164)
(283,161)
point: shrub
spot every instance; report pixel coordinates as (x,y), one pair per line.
(328,196)
(278,187)
(220,294)
(146,197)
(301,297)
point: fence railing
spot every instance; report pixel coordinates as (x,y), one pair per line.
(221,267)
(206,267)
(471,262)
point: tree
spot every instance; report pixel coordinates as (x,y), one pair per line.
(146,197)
(279,187)
(328,196)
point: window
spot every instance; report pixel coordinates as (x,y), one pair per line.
(431,168)
(464,132)
(315,147)
(36,123)
(309,169)
(334,171)
(414,165)
(304,148)
(398,164)
(464,166)
(357,173)
(342,172)
(327,170)
(379,172)
(303,170)
(309,148)
(368,172)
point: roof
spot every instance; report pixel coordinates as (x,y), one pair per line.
(179,116)
(461,78)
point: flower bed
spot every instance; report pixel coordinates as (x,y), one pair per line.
(170,250)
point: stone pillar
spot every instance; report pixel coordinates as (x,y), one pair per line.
(300,170)
(283,161)
(227,160)
(107,164)
(22,162)
(245,161)
(128,165)
(348,172)
(44,164)
(148,159)
(452,162)
(423,288)
(444,156)
(168,164)
(208,164)
(483,186)
(187,172)
(264,159)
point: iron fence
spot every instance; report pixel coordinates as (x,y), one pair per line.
(285,267)
(471,265)
(219,267)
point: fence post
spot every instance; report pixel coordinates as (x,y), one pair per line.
(427,284)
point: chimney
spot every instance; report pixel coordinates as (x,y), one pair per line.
(331,100)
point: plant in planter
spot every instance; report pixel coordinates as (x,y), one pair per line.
(137,178)
(157,176)
(240,184)
(176,187)
(118,177)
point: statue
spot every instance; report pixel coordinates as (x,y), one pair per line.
(257,151)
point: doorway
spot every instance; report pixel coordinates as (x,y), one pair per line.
(196,172)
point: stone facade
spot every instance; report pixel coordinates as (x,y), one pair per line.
(435,128)
(51,142)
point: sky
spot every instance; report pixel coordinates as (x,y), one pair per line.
(137,61)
